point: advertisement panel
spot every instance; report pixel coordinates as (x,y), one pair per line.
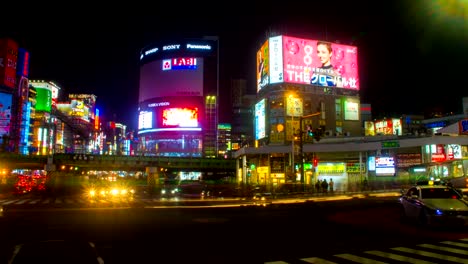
(463,127)
(276,59)
(172,114)
(320,63)
(76,108)
(351,110)
(390,126)
(260,129)
(22,68)
(177,76)
(43,99)
(263,66)
(5,113)
(384,166)
(8,62)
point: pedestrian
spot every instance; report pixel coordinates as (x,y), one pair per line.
(331,184)
(324,185)
(365,184)
(317,185)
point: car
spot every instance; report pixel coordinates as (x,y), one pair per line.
(434,205)
(169,191)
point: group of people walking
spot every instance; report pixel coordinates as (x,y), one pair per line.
(324,186)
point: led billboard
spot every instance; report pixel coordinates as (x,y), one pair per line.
(76,108)
(304,61)
(171,114)
(260,120)
(384,166)
(5,113)
(263,66)
(43,99)
(179,76)
(320,63)
(8,62)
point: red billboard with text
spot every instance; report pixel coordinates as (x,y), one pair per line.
(8,62)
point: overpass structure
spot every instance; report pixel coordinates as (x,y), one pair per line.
(113,162)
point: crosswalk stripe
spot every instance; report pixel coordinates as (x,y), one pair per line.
(317,261)
(455,244)
(81,201)
(398,257)
(46,201)
(453,250)
(3,200)
(359,259)
(35,201)
(23,201)
(276,262)
(464,239)
(10,202)
(430,254)
(58,201)
(69,201)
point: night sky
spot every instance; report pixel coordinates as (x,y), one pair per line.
(412,54)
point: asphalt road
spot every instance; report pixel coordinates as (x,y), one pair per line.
(277,232)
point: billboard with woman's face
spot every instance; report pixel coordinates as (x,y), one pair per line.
(314,62)
(320,63)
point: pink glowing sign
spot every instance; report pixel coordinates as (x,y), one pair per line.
(320,63)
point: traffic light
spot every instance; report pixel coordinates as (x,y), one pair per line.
(315,162)
(310,132)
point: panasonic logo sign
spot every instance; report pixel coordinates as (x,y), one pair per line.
(204,47)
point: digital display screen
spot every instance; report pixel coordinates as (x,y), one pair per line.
(260,130)
(181,76)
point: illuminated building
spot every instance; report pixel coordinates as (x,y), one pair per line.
(242,131)
(178,106)
(224,140)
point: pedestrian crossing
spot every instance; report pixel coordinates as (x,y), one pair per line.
(440,252)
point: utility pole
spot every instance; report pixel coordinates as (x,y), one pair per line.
(301,144)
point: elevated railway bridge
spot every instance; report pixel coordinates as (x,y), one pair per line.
(89,162)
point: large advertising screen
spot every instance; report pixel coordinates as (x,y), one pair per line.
(305,61)
(8,62)
(5,113)
(260,129)
(263,66)
(320,63)
(43,99)
(177,76)
(171,114)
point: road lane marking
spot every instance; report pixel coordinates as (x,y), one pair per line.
(23,201)
(35,201)
(453,250)
(359,259)
(10,202)
(455,244)
(430,254)
(317,261)
(398,257)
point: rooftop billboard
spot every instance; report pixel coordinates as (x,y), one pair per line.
(181,76)
(305,61)
(8,62)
